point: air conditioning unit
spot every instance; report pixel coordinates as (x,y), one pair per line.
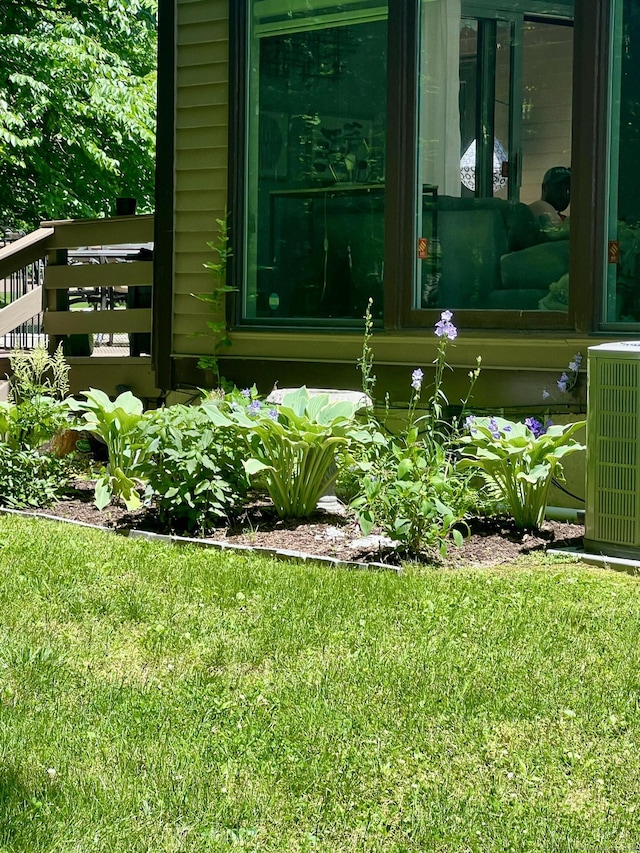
(612,512)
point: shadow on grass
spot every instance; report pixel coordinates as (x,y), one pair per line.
(25,810)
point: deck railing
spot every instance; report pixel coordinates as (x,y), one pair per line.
(22,263)
(94,276)
(83,277)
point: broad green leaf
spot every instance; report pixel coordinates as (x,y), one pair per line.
(296,400)
(366,520)
(102,493)
(404,468)
(255,466)
(128,403)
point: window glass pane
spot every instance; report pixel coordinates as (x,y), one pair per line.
(315,160)
(493,158)
(623,280)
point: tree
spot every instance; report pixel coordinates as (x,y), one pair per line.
(77,107)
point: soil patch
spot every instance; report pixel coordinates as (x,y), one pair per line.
(331,532)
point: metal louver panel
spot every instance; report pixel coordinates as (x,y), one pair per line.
(612,517)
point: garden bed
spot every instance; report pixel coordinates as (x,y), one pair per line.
(330,532)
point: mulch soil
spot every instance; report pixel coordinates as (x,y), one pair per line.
(331,532)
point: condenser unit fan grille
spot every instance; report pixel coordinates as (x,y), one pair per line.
(613,453)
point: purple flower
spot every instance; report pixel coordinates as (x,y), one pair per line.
(545,394)
(416,379)
(246,392)
(446,316)
(575,364)
(469,422)
(254,407)
(273,414)
(445,329)
(562,382)
(534,426)
(493,428)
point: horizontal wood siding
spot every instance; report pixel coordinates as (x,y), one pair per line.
(202,94)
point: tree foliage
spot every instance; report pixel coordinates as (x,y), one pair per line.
(77,107)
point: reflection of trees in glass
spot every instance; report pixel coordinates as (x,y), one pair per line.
(322,122)
(338,154)
(309,56)
(333,97)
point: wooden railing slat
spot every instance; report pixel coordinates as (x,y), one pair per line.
(130,274)
(18,312)
(24,251)
(69,234)
(91,322)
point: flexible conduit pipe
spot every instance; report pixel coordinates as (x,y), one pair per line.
(563,513)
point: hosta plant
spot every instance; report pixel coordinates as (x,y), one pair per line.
(118,424)
(292,447)
(518,462)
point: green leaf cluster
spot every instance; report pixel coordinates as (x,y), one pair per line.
(36,409)
(407,483)
(410,488)
(29,478)
(77,107)
(216,300)
(118,424)
(292,449)
(30,474)
(193,470)
(517,466)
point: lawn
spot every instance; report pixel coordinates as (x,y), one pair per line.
(159,699)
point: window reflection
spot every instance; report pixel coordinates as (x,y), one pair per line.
(316,160)
(495,117)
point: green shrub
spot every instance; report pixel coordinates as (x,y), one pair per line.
(194,473)
(30,479)
(409,485)
(36,408)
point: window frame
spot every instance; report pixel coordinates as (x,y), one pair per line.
(588,164)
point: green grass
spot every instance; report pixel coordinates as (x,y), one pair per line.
(159,699)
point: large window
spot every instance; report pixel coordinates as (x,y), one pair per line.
(494,157)
(469,212)
(622,297)
(316,151)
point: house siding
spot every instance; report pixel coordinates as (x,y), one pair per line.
(201,133)
(513,374)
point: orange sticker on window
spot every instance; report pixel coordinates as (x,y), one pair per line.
(614,252)
(423,248)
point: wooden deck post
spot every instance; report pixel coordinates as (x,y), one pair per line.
(56,300)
